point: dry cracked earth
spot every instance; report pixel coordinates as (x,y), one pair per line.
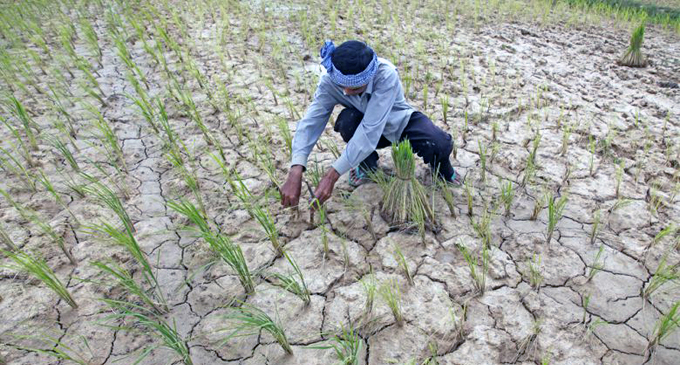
(522,75)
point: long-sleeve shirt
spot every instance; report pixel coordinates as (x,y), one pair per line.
(385,109)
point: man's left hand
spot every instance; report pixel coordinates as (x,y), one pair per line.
(326,185)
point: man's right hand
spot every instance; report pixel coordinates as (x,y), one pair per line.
(290,191)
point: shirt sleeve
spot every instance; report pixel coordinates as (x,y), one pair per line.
(310,127)
(367,135)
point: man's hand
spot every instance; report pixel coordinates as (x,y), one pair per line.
(290,191)
(326,185)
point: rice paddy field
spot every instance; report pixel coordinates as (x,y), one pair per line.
(143,143)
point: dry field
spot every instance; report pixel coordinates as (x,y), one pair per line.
(142,143)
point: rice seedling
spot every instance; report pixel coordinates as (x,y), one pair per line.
(107,197)
(482,160)
(444,100)
(284,132)
(664,273)
(14,166)
(482,225)
(405,198)
(566,133)
(357,206)
(56,347)
(189,176)
(27,122)
(91,38)
(458,318)
(596,225)
(670,230)
(129,242)
(26,153)
(555,210)
(6,239)
(254,320)
(619,178)
(664,327)
(125,280)
(390,293)
(108,137)
(593,326)
(479,266)
(619,204)
(597,265)
(468,188)
(585,301)
(346,343)
(528,343)
(535,275)
(228,251)
(151,324)
(539,204)
(401,262)
(37,267)
(633,56)
(591,163)
(447,194)
(370,287)
(66,153)
(295,282)
(507,195)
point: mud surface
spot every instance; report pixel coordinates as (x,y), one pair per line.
(507,79)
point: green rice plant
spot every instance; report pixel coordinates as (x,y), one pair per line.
(670,230)
(295,282)
(555,210)
(507,195)
(66,153)
(228,251)
(405,198)
(535,275)
(27,122)
(633,56)
(103,195)
(108,138)
(594,325)
(447,194)
(534,148)
(370,287)
(346,343)
(479,266)
(189,176)
(444,101)
(37,267)
(148,322)
(469,194)
(566,133)
(14,166)
(390,293)
(284,132)
(482,225)
(619,204)
(45,182)
(591,164)
(458,318)
(128,240)
(50,232)
(91,38)
(6,239)
(585,301)
(664,327)
(597,265)
(56,347)
(664,273)
(482,159)
(401,261)
(254,320)
(619,178)
(539,204)
(26,153)
(596,226)
(125,280)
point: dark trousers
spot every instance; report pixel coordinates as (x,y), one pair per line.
(427,140)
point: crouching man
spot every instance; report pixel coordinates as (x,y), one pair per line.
(376,114)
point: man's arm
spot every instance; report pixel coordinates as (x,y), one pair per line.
(308,131)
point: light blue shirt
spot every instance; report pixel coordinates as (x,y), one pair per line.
(385,109)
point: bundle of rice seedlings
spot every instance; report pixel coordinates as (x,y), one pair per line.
(405,200)
(37,267)
(253,320)
(633,57)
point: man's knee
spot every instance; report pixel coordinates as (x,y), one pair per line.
(347,122)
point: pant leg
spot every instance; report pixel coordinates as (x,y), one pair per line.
(431,143)
(346,124)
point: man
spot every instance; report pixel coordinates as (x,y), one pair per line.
(375,115)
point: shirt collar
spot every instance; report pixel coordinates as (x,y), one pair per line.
(369,88)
